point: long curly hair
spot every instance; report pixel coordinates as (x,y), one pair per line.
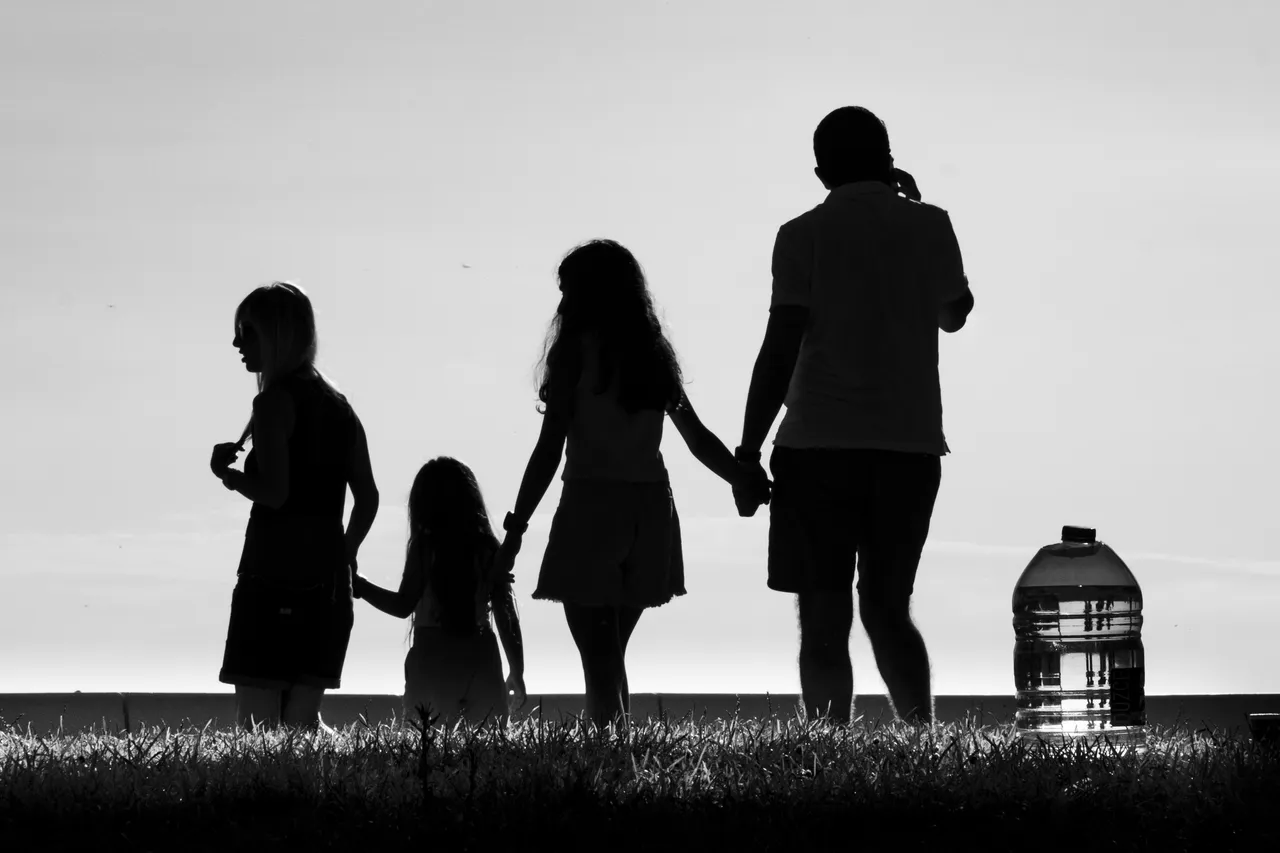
(604,292)
(447,512)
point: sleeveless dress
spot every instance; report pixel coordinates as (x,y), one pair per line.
(615,537)
(456,676)
(292,607)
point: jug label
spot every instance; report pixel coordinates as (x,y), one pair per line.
(1128,696)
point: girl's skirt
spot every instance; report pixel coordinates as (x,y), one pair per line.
(455,677)
(281,636)
(613,543)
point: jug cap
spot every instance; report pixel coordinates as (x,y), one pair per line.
(1079,534)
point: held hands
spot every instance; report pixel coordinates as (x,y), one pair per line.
(751,488)
(504,562)
(357,582)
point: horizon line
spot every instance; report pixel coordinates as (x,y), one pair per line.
(1004,696)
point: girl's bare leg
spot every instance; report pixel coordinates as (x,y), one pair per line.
(301,706)
(595,631)
(257,706)
(627,619)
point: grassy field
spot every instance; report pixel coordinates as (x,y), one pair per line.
(673,784)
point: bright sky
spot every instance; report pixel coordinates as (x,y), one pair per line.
(420,168)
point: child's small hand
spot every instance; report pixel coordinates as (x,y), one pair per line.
(516,694)
(504,562)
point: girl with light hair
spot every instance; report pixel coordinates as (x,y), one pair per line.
(291,611)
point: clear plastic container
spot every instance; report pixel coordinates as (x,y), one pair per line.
(1077,659)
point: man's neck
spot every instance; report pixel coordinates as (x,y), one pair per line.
(862,180)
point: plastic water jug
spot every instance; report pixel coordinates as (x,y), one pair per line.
(1077,658)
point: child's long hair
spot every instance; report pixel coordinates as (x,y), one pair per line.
(282,315)
(446,510)
(604,292)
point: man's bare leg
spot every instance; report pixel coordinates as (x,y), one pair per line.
(826,672)
(901,657)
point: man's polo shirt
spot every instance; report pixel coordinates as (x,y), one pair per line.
(873,269)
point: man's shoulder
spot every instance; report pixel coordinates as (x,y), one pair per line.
(796,226)
(923,209)
(922,212)
(804,220)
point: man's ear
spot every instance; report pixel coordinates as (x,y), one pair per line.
(817,170)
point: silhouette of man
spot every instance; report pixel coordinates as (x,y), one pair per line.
(861,285)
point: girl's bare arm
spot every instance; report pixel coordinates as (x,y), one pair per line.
(703,443)
(507,621)
(400,603)
(542,467)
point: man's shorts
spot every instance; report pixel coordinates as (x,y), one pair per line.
(832,507)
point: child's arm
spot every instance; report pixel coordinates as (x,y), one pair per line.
(400,603)
(508,623)
(704,445)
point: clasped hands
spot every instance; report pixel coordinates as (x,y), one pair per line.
(504,562)
(752,487)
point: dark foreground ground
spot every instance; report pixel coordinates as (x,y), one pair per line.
(740,785)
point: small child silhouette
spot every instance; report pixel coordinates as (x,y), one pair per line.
(450,590)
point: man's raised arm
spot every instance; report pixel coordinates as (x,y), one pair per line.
(951,315)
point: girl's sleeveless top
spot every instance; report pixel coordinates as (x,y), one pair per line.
(301,543)
(605,441)
(427,613)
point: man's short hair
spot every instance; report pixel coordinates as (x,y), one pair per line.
(851,144)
